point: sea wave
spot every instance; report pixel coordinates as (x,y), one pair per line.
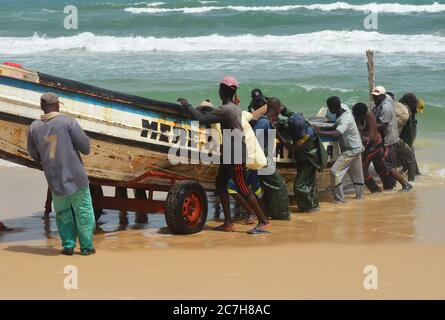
(395,8)
(310,88)
(154,4)
(322,43)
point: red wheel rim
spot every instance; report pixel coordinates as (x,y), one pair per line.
(191,208)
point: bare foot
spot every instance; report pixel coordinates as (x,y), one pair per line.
(250,219)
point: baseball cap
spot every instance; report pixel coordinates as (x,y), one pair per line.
(50,98)
(256,93)
(206,103)
(379,90)
(230,82)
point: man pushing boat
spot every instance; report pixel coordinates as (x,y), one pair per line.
(229,116)
(55,141)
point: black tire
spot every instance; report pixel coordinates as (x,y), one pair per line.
(182,214)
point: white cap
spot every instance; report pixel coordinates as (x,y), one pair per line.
(206,103)
(379,90)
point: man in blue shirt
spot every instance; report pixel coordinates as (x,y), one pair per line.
(276,198)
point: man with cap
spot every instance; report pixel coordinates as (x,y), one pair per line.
(55,142)
(350,159)
(385,114)
(233,166)
(258,100)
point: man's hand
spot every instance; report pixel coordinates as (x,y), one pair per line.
(183,102)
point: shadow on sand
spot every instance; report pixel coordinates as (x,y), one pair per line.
(40,250)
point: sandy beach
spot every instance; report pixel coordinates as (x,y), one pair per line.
(321,255)
(119,67)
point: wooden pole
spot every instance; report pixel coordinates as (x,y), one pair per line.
(371,75)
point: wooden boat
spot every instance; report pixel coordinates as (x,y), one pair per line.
(130,135)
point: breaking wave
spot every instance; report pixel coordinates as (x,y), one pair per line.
(395,8)
(322,43)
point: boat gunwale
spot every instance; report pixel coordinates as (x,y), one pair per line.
(64,84)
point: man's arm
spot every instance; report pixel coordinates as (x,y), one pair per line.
(287,143)
(32,149)
(80,140)
(256,114)
(384,117)
(332,134)
(214,116)
(382,126)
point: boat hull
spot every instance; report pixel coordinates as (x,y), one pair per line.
(130,136)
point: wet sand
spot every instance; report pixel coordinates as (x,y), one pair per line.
(312,256)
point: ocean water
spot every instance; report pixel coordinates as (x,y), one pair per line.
(299,51)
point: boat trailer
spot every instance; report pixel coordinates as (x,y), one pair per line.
(185,207)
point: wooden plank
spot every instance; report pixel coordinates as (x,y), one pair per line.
(371,75)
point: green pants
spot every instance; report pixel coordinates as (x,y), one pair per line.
(75,218)
(305,187)
(275,197)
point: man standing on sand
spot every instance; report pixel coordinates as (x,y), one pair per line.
(405,155)
(350,159)
(55,141)
(229,116)
(372,141)
(385,114)
(276,198)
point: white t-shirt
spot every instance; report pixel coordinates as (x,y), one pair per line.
(349,139)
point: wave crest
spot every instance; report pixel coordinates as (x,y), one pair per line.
(394,8)
(322,43)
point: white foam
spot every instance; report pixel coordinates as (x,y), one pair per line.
(309,88)
(154,4)
(321,43)
(440,173)
(49,10)
(395,8)
(169,10)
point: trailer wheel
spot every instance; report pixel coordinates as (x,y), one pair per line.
(186,208)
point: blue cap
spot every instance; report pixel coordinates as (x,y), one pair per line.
(298,125)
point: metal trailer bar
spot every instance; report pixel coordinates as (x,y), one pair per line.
(138,204)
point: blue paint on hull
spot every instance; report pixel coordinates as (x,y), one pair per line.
(82,98)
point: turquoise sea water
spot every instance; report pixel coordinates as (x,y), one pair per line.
(299,51)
